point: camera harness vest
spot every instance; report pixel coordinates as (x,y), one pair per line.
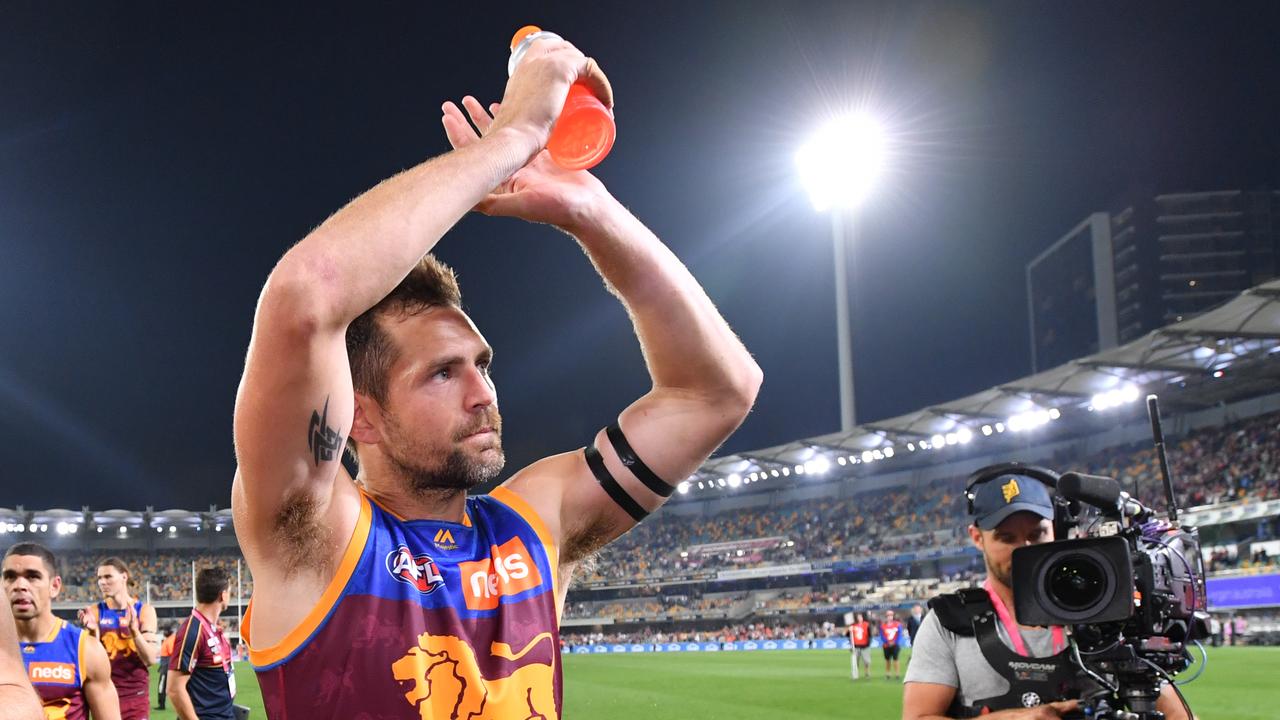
(977,613)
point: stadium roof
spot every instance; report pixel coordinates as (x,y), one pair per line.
(1183,363)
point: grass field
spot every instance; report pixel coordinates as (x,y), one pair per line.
(779,684)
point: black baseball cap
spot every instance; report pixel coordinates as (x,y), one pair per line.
(1004,495)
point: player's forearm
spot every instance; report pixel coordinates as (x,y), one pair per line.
(687,344)
(357,256)
(147,649)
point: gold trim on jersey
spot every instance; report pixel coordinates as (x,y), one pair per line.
(305,629)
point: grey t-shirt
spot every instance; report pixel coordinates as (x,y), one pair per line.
(942,657)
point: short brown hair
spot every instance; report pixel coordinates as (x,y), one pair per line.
(210,584)
(370,350)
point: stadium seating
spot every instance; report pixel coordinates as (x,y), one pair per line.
(1237,461)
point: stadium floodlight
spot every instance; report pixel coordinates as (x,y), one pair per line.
(964,435)
(867,456)
(1218,373)
(937,441)
(99,528)
(888,451)
(838,167)
(44,527)
(999,427)
(1114,398)
(911,447)
(1054,413)
(841,460)
(720,482)
(841,162)
(986,430)
(683,488)
(786,472)
(774,472)
(1030,420)
(952,438)
(159,529)
(735,480)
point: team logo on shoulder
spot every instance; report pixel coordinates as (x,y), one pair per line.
(444,540)
(420,571)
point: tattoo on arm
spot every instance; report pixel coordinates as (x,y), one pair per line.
(323,440)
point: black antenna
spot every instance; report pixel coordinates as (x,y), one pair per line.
(1153,410)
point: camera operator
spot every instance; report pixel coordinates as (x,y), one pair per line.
(968,635)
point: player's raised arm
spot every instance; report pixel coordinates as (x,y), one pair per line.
(704,380)
(295,403)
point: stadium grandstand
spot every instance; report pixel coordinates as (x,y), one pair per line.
(778,545)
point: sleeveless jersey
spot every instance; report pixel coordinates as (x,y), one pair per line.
(427,619)
(128,673)
(54,668)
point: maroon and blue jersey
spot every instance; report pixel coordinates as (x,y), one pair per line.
(202,651)
(54,668)
(128,672)
(427,619)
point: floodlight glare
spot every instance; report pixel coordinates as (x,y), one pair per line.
(735,480)
(820,465)
(867,456)
(888,452)
(840,163)
(986,430)
(683,488)
(841,460)
(937,441)
(964,435)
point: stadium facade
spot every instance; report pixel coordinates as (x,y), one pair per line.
(1159,260)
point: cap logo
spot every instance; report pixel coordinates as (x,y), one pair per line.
(1010,490)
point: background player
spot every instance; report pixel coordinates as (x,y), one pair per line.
(67,667)
(126,627)
(201,682)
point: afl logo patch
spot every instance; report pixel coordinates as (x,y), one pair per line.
(420,571)
(1030,700)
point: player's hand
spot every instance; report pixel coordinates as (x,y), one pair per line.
(87,619)
(541,191)
(131,620)
(537,89)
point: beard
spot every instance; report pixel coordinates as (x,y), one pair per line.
(457,468)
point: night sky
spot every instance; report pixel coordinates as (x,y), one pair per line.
(156,159)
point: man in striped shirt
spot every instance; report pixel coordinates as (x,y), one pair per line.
(200,680)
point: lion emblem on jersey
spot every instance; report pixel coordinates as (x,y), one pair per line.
(447,682)
(118,645)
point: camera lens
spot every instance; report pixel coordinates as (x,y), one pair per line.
(1076,582)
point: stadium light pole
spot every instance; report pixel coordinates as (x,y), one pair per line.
(839,166)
